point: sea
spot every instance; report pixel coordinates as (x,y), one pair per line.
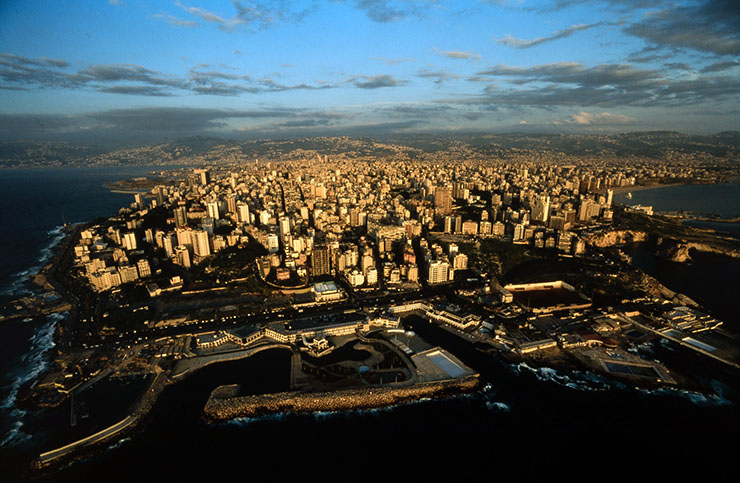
(561,413)
(709,200)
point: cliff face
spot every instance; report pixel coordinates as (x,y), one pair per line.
(617,237)
(679,250)
(653,287)
(672,250)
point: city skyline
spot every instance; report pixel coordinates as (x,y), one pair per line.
(127,71)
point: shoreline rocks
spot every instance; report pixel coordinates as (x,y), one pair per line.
(618,237)
(679,250)
(223,405)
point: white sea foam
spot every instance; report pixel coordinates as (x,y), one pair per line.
(498,406)
(578,380)
(696,398)
(32,364)
(119,443)
(18,285)
(490,397)
(249,420)
(320,415)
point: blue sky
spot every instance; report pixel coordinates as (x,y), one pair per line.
(146,70)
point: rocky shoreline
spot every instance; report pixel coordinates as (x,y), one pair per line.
(679,250)
(617,237)
(671,248)
(223,404)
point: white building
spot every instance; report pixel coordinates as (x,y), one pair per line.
(273,243)
(129,241)
(201,243)
(438,272)
(243,211)
(212,208)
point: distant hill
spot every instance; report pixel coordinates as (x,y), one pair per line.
(200,150)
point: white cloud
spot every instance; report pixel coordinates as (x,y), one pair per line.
(587,119)
(458,54)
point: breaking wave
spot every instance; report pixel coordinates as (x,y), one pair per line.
(498,406)
(490,397)
(32,364)
(119,443)
(18,287)
(250,420)
(696,398)
(578,380)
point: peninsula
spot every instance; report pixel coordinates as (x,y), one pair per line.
(385,279)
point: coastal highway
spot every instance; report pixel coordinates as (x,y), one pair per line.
(49,456)
(142,407)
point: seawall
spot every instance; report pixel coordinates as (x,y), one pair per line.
(222,405)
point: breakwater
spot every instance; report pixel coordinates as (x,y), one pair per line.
(224,405)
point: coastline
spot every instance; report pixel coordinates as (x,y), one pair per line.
(631,189)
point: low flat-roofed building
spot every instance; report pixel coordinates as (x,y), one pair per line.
(462,323)
(536,345)
(545,297)
(327,291)
(210,340)
(436,364)
(409,307)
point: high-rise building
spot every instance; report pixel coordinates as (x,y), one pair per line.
(273,243)
(460,261)
(212,207)
(367,262)
(243,212)
(204,176)
(209,225)
(356,278)
(357,217)
(413,273)
(181,216)
(470,227)
(143,267)
(589,209)
(264,217)
(231,203)
(540,208)
(320,264)
(371,277)
(519,230)
(128,274)
(438,272)
(160,195)
(201,243)
(448,224)
(129,241)
(443,199)
(182,256)
(284,226)
(169,242)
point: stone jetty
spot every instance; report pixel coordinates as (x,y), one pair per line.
(223,404)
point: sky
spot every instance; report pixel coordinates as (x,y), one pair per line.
(129,71)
